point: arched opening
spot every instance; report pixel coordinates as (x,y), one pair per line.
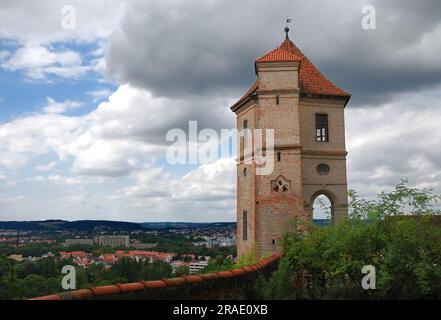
(322,210)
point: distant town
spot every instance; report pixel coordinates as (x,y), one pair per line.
(186,247)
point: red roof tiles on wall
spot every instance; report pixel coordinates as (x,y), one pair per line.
(193,279)
(52,297)
(131,287)
(225,274)
(154,284)
(106,290)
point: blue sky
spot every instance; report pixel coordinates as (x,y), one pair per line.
(84,112)
(21,94)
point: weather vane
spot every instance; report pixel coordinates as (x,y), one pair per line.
(288,20)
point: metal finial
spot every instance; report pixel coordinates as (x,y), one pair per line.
(288,20)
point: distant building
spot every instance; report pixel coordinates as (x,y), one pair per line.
(200,244)
(80,258)
(107,259)
(150,256)
(143,245)
(197,266)
(16,257)
(73,254)
(114,241)
(48,255)
(71,242)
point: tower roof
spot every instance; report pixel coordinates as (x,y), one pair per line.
(311,81)
(279,55)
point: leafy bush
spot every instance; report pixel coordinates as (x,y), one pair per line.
(324,263)
(221,263)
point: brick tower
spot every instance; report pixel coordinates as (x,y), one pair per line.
(306,111)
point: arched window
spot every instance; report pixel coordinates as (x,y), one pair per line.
(322,210)
(245,172)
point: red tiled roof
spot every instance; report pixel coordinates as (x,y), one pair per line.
(250,91)
(108,258)
(311,80)
(278,55)
(73,253)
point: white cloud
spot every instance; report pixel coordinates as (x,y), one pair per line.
(116,138)
(122,133)
(122,137)
(210,182)
(208,193)
(46,167)
(115,158)
(395,141)
(100,94)
(37,62)
(41,21)
(64,180)
(4,54)
(58,179)
(59,107)
(12,199)
(25,138)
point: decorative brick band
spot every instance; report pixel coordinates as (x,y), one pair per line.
(127,288)
(325,152)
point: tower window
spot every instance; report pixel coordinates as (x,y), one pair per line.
(277,100)
(321,127)
(279,156)
(245,171)
(245,132)
(273,241)
(245,225)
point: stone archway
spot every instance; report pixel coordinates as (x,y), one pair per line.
(322,210)
(332,199)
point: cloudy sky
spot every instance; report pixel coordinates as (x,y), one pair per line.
(84,111)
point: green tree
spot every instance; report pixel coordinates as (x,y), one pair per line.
(181,271)
(35,285)
(8,281)
(218,264)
